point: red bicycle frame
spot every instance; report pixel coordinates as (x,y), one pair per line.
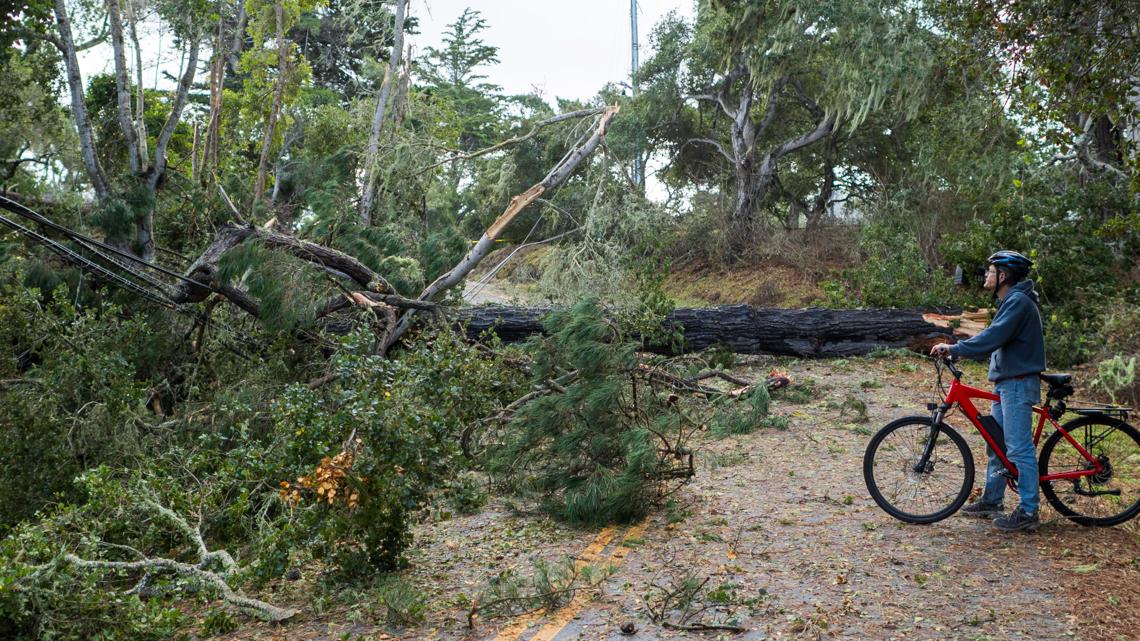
(963,395)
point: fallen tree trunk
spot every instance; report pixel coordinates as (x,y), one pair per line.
(813,332)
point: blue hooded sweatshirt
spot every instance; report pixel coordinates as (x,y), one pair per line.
(1014,340)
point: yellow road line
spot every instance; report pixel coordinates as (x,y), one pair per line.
(587,556)
(565,614)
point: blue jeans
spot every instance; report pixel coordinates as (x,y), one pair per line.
(1014,413)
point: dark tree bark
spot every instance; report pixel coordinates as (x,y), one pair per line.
(812,333)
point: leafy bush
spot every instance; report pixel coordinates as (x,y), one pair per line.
(390,430)
(44,597)
(894,273)
(70,396)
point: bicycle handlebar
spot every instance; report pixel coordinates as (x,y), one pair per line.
(948,361)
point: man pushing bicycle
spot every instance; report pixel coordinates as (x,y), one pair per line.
(1016,345)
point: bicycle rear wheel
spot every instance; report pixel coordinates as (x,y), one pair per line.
(1109,498)
(927,495)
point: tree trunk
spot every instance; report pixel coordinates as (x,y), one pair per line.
(140,103)
(79,104)
(145,227)
(370,157)
(402,87)
(275,108)
(807,333)
(123,85)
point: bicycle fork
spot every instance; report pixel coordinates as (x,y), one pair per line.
(937,411)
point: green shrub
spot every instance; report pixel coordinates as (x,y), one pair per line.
(70,396)
(388,431)
(894,273)
(44,597)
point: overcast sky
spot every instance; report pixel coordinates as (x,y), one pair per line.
(565,49)
(561,49)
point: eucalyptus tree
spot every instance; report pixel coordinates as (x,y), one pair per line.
(378,117)
(748,89)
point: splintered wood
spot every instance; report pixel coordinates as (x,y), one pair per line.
(964,325)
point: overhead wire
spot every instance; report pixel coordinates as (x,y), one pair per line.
(22,210)
(161,297)
(75,257)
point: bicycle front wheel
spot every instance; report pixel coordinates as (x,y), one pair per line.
(924,495)
(1108,498)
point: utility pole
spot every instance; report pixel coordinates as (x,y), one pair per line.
(638,161)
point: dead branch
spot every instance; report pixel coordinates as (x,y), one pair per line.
(204,269)
(702,626)
(199,572)
(718,374)
(542,598)
(682,597)
(259,608)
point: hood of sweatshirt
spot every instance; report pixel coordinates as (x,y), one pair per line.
(1025,287)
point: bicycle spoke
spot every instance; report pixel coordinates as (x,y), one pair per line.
(916,495)
(1108,497)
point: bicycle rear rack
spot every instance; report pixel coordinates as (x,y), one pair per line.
(1116,411)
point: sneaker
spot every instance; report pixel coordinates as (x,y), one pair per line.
(983,509)
(1017,521)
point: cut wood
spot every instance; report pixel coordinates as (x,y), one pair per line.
(964,325)
(813,332)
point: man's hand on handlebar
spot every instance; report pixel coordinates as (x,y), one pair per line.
(941,349)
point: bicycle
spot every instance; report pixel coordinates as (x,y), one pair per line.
(920,470)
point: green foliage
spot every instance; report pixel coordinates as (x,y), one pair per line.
(893,273)
(45,597)
(548,586)
(1080,261)
(403,605)
(440,251)
(407,414)
(591,454)
(1115,375)
(733,419)
(218,622)
(276,282)
(70,396)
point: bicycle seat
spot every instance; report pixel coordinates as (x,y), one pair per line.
(1056,380)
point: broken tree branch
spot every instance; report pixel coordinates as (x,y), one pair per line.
(555,177)
(205,267)
(265,610)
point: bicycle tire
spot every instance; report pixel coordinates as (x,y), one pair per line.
(955,454)
(1119,442)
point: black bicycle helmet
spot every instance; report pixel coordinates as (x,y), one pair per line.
(1013,263)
